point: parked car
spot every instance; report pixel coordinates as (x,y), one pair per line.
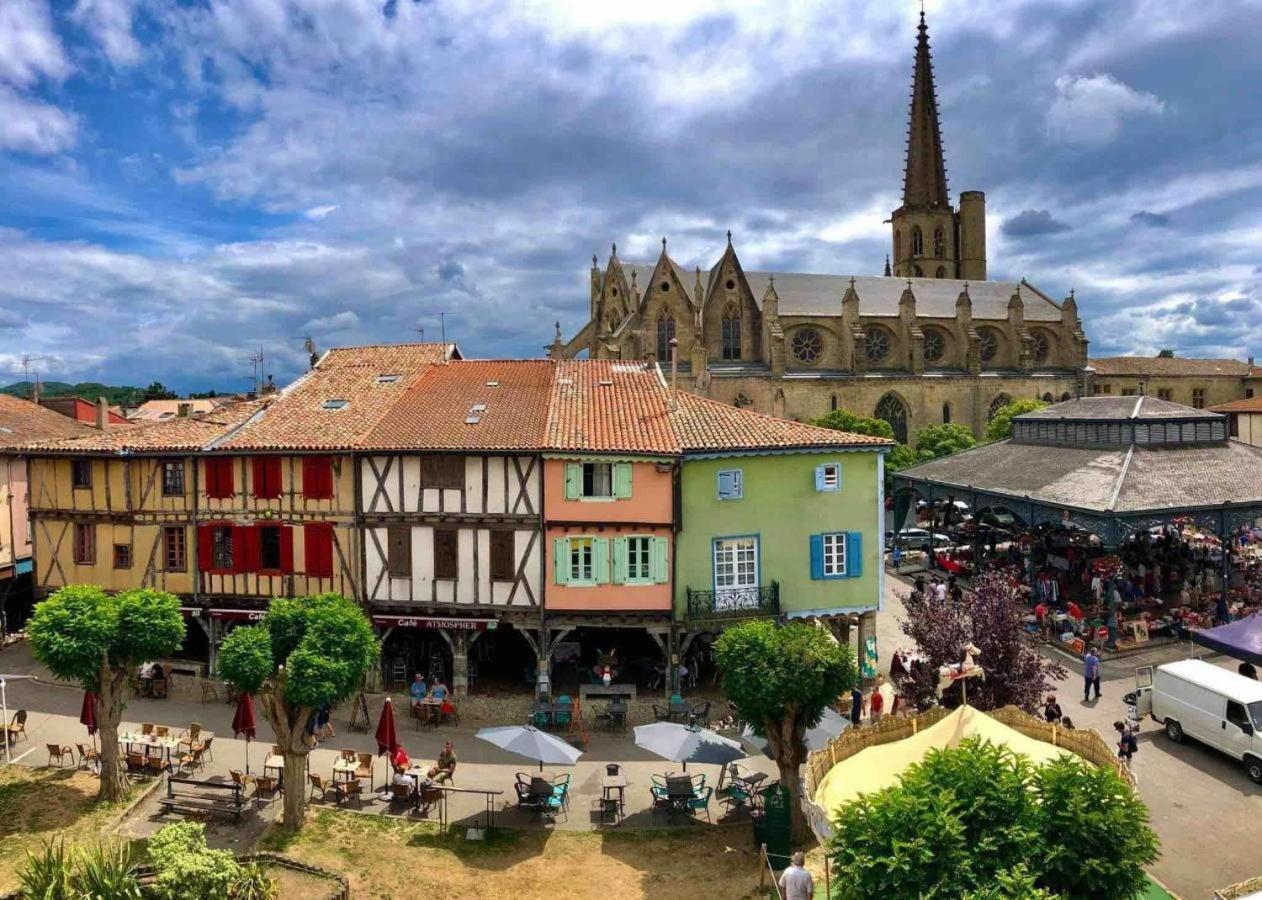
(1196,699)
(997,517)
(912,538)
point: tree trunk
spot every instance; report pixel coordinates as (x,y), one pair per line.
(290,726)
(110,703)
(787,741)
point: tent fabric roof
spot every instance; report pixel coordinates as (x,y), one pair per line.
(876,768)
(1240,640)
(1104,480)
(1102,407)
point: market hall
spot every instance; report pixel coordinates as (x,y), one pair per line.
(1133,510)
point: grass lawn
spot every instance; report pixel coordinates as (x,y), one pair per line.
(37,804)
(387,858)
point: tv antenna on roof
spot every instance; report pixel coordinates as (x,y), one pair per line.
(309,344)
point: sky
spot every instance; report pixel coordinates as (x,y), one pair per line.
(185,183)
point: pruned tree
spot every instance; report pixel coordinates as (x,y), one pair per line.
(85,635)
(844,420)
(990,618)
(781,678)
(935,441)
(1000,426)
(306,653)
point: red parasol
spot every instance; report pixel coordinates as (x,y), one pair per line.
(243,723)
(87,714)
(387,740)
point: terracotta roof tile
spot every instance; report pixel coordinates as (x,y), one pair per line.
(1167,366)
(309,414)
(605,405)
(437,410)
(704,424)
(24,422)
(177,435)
(1247,405)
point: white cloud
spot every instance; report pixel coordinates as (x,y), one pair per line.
(1089,109)
(320,212)
(33,127)
(110,22)
(29,48)
(342,321)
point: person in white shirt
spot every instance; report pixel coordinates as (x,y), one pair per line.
(940,591)
(795,882)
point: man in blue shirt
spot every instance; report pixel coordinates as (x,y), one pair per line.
(1090,675)
(418,690)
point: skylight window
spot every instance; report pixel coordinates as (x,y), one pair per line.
(492,384)
(388,379)
(334,404)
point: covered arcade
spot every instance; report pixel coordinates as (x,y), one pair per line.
(1161,484)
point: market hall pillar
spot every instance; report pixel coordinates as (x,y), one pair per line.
(459,640)
(867,629)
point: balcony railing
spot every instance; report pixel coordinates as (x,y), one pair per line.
(735,603)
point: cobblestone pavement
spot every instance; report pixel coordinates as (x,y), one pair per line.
(1203,805)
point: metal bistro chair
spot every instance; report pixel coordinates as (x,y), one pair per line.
(60,753)
(701,801)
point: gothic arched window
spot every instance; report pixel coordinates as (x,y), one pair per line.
(893,410)
(1065,396)
(918,272)
(731,332)
(1048,398)
(917,241)
(939,243)
(898,246)
(997,404)
(946,413)
(941,273)
(665,332)
(832,403)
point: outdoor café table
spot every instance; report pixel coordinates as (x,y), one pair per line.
(346,768)
(277,763)
(678,792)
(610,783)
(428,711)
(680,710)
(166,745)
(617,714)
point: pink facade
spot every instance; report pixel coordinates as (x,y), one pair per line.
(15,533)
(609,553)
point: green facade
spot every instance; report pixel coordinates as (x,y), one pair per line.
(780,502)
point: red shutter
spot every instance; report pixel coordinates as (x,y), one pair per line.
(219,478)
(286,549)
(317,541)
(317,477)
(205,545)
(266,471)
(245,555)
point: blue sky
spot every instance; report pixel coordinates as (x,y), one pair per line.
(181,183)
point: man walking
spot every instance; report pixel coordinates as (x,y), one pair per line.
(1090,675)
(795,882)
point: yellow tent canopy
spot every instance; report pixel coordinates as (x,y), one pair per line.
(878,767)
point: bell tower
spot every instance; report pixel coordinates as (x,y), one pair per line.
(931,239)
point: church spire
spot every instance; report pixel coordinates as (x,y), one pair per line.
(925,181)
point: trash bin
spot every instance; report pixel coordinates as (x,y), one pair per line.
(773,827)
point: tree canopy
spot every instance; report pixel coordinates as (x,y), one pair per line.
(79,625)
(991,618)
(963,822)
(781,678)
(934,441)
(844,420)
(1000,426)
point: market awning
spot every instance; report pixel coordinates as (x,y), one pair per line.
(1239,640)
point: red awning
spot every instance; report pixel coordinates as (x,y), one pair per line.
(428,622)
(238,615)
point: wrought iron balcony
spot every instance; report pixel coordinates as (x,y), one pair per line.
(735,603)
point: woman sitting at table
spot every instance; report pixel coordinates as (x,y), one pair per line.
(446,766)
(440,690)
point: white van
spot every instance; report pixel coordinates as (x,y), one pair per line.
(1217,707)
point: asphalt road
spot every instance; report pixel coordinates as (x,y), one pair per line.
(1203,805)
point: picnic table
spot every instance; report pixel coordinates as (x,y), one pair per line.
(611,783)
(428,711)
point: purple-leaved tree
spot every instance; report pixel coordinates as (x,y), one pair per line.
(990,618)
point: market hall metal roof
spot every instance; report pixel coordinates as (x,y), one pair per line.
(1108,456)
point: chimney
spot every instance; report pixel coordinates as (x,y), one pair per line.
(182,410)
(35,391)
(674,372)
(102,414)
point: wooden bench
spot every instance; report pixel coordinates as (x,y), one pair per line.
(208,797)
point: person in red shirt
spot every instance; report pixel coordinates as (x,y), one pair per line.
(1075,612)
(876,704)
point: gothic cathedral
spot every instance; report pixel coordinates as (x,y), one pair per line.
(929,341)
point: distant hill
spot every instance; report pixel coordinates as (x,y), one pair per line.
(115,395)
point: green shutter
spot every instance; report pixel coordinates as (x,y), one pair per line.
(660,570)
(622,480)
(573,481)
(600,560)
(619,560)
(561,560)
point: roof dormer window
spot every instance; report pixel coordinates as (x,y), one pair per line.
(334,404)
(388,379)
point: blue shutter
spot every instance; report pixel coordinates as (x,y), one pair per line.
(817,557)
(622,480)
(573,481)
(620,560)
(730,484)
(819,478)
(854,554)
